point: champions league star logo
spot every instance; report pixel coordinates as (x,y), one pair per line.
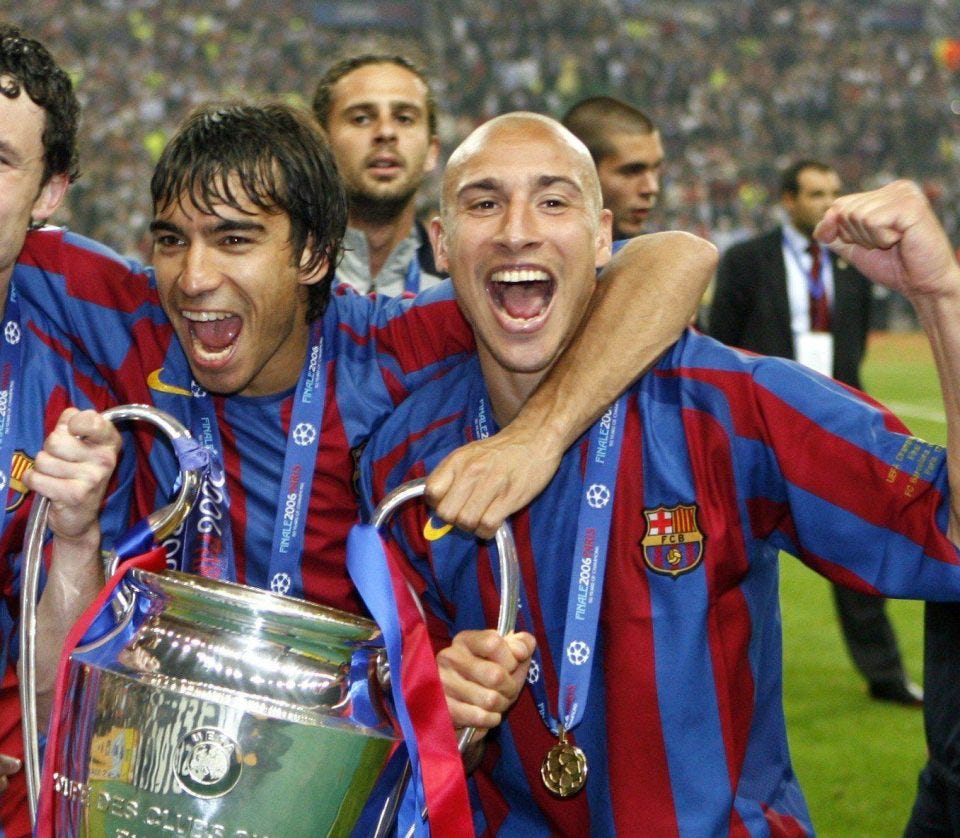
(533,673)
(598,495)
(280,583)
(11,332)
(304,434)
(578,653)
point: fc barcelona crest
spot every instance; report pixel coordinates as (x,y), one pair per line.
(672,543)
(17,489)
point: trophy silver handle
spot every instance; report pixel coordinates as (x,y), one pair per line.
(506,618)
(161,523)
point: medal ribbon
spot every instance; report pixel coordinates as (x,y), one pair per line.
(586,579)
(437,768)
(10,354)
(209,523)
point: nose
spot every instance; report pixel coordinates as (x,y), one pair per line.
(649,183)
(198,274)
(518,227)
(386,129)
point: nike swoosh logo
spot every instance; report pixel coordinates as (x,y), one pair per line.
(431,532)
(154,383)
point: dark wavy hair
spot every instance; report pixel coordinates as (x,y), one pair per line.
(282,164)
(27,66)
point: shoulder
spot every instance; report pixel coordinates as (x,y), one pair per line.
(56,264)
(349,305)
(430,423)
(417,332)
(700,363)
(63,251)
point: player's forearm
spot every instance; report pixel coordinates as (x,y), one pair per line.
(647,295)
(73,582)
(940,318)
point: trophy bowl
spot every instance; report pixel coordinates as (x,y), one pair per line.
(217,710)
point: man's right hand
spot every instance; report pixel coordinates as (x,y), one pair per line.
(482,674)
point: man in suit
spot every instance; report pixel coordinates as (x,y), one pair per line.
(782,293)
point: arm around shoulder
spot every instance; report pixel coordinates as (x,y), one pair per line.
(647,296)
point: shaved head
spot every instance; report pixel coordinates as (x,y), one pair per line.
(522,232)
(521,127)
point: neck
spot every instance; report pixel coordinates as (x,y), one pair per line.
(5,277)
(383,234)
(508,390)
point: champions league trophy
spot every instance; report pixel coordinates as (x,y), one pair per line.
(209,709)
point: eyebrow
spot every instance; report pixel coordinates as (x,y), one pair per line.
(640,165)
(10,151)
(542,182)
(393,104)
(545,181)
(224,225)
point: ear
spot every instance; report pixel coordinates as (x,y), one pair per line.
(439,244)
(789,202)
(312,276)
(433,154)
(604,242)
(50,197)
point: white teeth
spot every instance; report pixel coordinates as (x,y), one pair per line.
(205,316)
(520,275)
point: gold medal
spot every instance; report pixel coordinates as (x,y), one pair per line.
(564,768)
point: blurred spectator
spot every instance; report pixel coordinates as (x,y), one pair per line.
(380,117)
(735,88)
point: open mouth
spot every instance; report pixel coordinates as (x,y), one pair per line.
(213,334)
(384,166)
(522,294)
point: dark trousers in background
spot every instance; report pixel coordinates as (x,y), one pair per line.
(869,636)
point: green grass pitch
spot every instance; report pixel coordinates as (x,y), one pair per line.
(858,759)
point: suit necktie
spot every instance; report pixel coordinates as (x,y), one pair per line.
(819,307)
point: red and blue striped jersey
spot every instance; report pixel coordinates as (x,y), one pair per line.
(727,459)
(381,349)
(44,385)
(102,334)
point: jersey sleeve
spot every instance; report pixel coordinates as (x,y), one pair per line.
(418,339)
(86,297)
(821,471)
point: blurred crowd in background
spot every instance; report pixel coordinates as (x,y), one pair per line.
(737,88)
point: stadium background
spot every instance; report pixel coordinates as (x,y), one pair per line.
(737,88)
